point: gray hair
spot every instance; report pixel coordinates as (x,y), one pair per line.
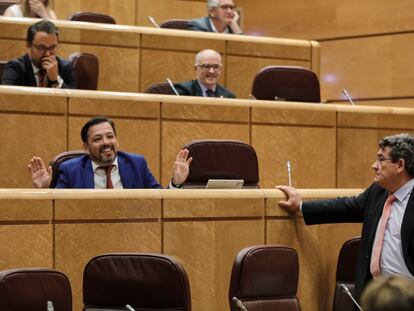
(212,4)
(201,54)
(401,147)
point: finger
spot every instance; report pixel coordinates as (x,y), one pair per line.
(189,160)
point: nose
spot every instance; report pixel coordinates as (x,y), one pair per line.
(374,165)
(211,69)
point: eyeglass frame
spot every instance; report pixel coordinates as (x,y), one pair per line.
(380,160)
(227,7)
(207,67)
(43,49)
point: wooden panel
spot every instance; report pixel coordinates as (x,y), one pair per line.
(29,103)
(25,136)
(177,134)
(221,241)
(11,49)
(392,102)
(311,152)
(122,10)
(137,136)
(374,120)
(23,210)
(237,67)
(76,244)
(191,208)
(26,246)
(162,10)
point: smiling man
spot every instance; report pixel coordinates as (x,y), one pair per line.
(40,66)
(222,18)
(208,67)
(386,209)
(105,166)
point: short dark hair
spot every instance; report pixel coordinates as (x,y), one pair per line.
(42,26)
(401,147)
(92,122)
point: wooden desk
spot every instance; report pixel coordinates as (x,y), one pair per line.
(131,58)
(63,229)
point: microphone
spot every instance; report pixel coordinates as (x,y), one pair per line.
(289,173)
(239,304)
(153,22)
(129,308)
(346,290)
(50,306)
(172,86)
(348,97)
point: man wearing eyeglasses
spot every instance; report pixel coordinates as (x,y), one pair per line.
(222,18)
(40,66)
(386,209)
(208,67)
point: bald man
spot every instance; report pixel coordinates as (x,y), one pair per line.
(208,67)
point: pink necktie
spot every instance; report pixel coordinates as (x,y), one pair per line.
(379,241)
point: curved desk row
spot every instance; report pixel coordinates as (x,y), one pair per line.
(203,229)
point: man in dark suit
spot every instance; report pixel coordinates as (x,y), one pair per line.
(222,18)
(386,209)
(40,66)
(104,166)
(208,67)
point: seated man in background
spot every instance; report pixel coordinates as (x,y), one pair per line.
(208,68)
(40,66)
(222,18)
(104,166)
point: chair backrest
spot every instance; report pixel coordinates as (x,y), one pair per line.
(144,281)
(175,24)
(160,88)
(222,159)
(286,83)
(59,159)
(265,278)
(86,69)
(345,274)
(5,4)
(30,289)
(92,18)
(2,64)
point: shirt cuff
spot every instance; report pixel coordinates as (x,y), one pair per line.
(59,83)
(172,186)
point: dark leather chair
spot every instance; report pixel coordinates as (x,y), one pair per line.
(86,68)
(175,24)
(286,83)
(222,159)
(59,159)
(160,88)
(345,274)
(5,4)
(265,278)
(92,18)
(144,281)
(30,289)
(2,64)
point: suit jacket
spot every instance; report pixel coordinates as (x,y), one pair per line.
(20,72)
(366,208)
(202,24)
(193,88)
(133,169)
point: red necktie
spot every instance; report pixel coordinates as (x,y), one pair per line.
(108,170)
(379,241)
(42,78)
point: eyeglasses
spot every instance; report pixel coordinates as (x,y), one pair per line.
(227,7)
(207,67)
(43,49)
(381,159)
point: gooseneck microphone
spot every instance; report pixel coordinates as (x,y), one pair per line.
(153,22)
(289,172)
(348,97)
(346,290)
(172,86)
(49,305)
(129,308)
(239,304)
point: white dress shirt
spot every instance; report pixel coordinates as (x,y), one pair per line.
(99,176)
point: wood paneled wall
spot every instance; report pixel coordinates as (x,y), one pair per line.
(132,58)
(72,226)
(329,146)
(366,47)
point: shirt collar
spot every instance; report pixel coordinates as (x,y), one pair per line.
(214,27)
(96,166)
(204,89)
(405,190)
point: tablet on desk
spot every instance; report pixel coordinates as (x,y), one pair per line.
(225,184)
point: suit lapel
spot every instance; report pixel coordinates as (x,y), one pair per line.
(407,228)
(30,78)
(126,176)
(87,174)
(196,89)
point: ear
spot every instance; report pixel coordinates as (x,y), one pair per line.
(85,147)
(401,165)
(211,12)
